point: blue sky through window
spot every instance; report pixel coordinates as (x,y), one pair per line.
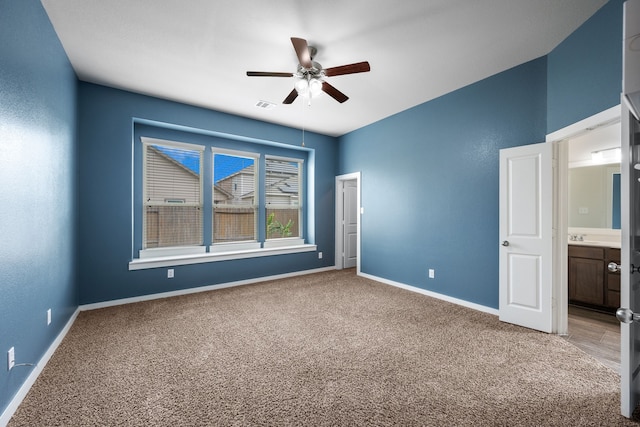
(190,159)
(224,165)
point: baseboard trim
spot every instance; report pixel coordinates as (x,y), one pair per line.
(432,294)
(33,376)
(149,297)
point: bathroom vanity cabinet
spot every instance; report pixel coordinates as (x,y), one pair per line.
(590,282)
(612,297)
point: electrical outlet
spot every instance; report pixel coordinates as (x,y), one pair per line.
(319,255)
(170,273)
(48,317)
(11,359)
(432,273)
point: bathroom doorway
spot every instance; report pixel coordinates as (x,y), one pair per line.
(588,151)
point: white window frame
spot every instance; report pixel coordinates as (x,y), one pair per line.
(240,245)
(169,250)
(287,241)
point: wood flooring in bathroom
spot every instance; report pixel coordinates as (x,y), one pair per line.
(597,334)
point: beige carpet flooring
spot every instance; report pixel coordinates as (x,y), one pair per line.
(328,349)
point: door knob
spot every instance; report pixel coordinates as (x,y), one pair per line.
(505,243)
(625,315)
(613,267)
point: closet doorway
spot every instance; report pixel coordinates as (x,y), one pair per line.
(348,212)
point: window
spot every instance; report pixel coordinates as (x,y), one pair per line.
(172,195)
(283,184)
(238,201)
(235,208)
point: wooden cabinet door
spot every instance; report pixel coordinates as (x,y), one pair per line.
(612,297)
(586,280)
(613,290)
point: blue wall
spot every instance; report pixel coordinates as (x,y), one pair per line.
(37,195)
(585,70)
(105,186)
(430,174)
(430,182)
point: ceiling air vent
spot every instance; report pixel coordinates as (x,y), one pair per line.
(265,105)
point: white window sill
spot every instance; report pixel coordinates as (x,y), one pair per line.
(176,251)
(174,260)
(233,247)
(284,242)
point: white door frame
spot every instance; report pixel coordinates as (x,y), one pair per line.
(340,179)
(560,138)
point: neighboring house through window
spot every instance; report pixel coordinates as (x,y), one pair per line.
(283,197)
(172,195)
(235,203)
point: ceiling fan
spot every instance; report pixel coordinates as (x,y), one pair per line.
(310,76)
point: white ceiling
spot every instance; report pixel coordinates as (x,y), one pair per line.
(198,51)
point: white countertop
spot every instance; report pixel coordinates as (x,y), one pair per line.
(599,243)
(599,237)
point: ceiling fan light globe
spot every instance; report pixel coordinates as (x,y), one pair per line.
(315,87)
(302,86)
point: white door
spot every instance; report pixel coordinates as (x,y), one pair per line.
(526,236)
(630,261)
(350,224)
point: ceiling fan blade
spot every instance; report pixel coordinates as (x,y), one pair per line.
(334,93)
(267,74)
(291,97)
(358,67)
(302,50)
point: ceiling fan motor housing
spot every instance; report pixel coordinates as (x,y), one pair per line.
(315,72)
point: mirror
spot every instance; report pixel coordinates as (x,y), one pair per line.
(594,196)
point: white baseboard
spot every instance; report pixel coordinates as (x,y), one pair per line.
(112,303)
(432,294)
(31,379)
